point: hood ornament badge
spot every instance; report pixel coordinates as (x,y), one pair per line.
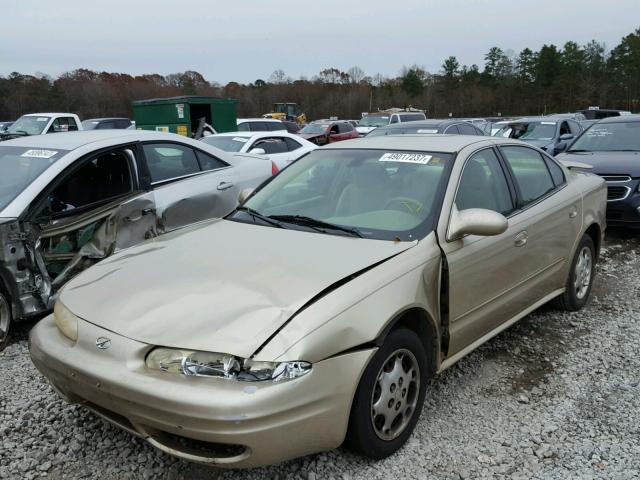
(103,343)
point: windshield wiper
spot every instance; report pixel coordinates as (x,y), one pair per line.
(315,223)
(579,150)
(255,214)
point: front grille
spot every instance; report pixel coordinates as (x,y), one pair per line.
(615,192)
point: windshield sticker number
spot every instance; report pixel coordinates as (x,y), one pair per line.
(597,132)
(406,158)
(547,123)
(42,119)
(427,130)
(39,153)
(240,139)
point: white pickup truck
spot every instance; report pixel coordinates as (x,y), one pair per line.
(42,123)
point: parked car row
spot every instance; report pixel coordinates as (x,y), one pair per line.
(44,123)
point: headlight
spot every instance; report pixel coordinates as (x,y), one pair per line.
(66,321)
(222,365)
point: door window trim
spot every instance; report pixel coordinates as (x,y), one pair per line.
(520,207)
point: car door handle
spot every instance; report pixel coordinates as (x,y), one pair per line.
(222,186)
(573,212)
(521,239)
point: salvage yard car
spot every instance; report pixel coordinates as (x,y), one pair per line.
(551,134)
(612,149)
(70,200)
(316,312)
(42,124)
(446,126)
(282,148)
(323,132)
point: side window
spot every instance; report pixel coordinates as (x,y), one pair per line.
(59,125)
(466,129)
(564,128)
(72,126)
(271,145)
(243,127)
(394,119)
(530,171)
(556,172)
(452,129)
(334,129)
(168,160)
(209,162)
(275,126)
(99,179)
(291,144)
(106,125)
(484,185)
(345,127)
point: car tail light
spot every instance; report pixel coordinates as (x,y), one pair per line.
(274,168)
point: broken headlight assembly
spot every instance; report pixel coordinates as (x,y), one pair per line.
(221,365)
(66,321)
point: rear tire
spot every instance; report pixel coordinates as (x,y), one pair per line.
(5,319)
(389,398)
(580,277)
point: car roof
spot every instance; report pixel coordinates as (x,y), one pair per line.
(73,140)
(46,114)
(431,123)
(432,142)
(621,119)
(273,120)
(104,118)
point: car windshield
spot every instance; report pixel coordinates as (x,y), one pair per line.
(314,128)
(374,121)
(29,125)
(379,194)
(19,166)
(609,137)
(528,131)
(226,143)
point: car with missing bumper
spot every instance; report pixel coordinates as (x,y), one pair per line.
(71,199)
(316,312)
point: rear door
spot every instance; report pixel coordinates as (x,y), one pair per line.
(190,185)
(551,216)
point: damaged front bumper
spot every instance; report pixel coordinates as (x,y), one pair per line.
(212,421)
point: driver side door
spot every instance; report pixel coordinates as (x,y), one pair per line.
(90,211)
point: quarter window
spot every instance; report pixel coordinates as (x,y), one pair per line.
(167,161)
(208,162)
(556,172)
(292,144)
(484,185)
(530,171)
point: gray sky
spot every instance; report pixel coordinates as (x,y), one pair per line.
(248,39)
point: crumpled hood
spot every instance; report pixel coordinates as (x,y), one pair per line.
(222,286)
(603,163)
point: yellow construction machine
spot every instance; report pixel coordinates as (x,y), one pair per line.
(287,111)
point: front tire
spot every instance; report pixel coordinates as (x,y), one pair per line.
(580,278)
(5,319)
(389,398)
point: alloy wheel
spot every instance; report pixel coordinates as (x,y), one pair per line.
(395,395)
(582,273)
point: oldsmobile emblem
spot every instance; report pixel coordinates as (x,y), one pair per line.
(103,343)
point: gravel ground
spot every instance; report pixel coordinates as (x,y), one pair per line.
(555,396)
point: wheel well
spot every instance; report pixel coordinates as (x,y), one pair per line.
(595,233)
(419,322)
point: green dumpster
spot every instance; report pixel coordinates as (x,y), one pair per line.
(182,115)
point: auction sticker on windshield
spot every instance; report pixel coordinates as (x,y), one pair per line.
(39,153)
(240,139)
(406,158)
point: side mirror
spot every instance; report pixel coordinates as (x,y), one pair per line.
(476,221)
(559,148)
(258,151)
(566,136)
(244,194)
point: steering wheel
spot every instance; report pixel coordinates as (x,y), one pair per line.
(412,206)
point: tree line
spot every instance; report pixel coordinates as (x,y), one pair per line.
(552,79)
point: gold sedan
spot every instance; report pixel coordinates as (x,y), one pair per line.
(315,313)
